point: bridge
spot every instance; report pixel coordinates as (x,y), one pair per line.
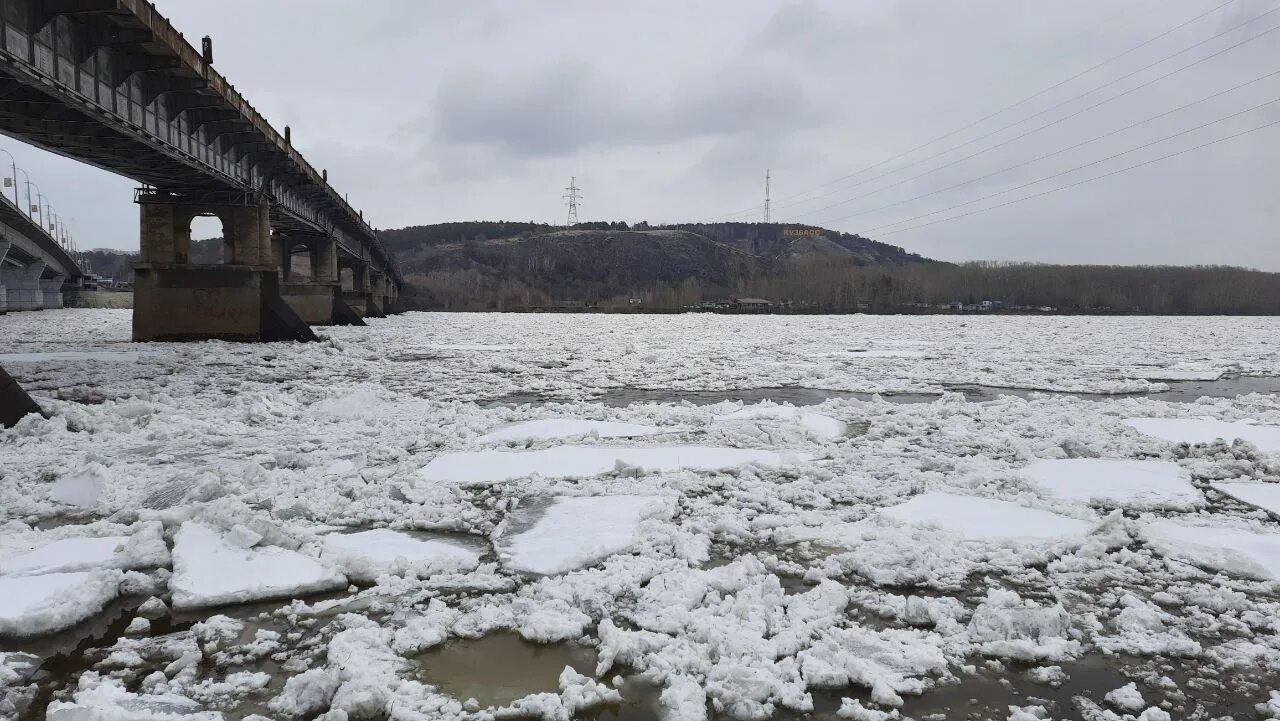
(113,84)
(33,265)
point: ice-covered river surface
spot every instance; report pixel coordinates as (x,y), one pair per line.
(376,526)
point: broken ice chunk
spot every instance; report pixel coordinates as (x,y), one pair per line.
(1125,482)
(209,571)
(576,531)
(368,554)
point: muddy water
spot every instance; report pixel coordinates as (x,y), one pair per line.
(500,668)
(1179,392)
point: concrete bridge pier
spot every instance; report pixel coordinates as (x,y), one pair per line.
(4,250)
(239,300)
(310,294)
(373,284)
(22,285)
(51,289)
(14,402)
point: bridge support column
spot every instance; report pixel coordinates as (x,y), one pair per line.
(22,286)
(240,300)
(373,293)
(4,250)
(51,289)
(317,299)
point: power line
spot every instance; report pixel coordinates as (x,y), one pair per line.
(1004,109)
(1033,160)
(1135,88)
(766,195)
(1135,166)
(572,196)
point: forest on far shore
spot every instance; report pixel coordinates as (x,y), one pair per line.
(815,284)
(786,268)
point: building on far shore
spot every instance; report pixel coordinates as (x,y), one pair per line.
(752,305)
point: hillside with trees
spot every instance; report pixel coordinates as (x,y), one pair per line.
(517,266)
(503,266)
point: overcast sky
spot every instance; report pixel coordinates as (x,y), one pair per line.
(427,111)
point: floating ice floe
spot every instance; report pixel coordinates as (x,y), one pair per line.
(552,428)
(80,355)
(81,487)
(480,467)
(576,531)
(107,700)
(360,403)
(145,549)
(887,353)
(820,426)
(1126,482)
(1208,430)
(1263,495)
(365,555)
(36,605)
(210,571)
(986,519)
(1219,548)
(471,346)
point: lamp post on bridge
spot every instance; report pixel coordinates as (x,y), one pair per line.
(13,162)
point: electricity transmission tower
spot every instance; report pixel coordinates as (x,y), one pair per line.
(766,195)
(572,195)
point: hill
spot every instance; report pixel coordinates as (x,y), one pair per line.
(506,265)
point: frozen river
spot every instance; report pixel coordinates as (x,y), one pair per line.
(476,516)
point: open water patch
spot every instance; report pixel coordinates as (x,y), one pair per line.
(1179,391)
(500,668)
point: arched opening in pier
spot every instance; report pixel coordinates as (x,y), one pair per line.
(208,241)
(298,263)
(348,278)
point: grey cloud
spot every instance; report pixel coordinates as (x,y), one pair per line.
(567,109)
(432,110)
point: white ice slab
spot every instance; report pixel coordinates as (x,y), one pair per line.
(819,425)
(368,554)
(887,353)
(577,531)
(144,549)
(79,355)
(36,605)
(1218,548)
(1263,495)
(479,467)
(470,346)
(1125,482)
(1205,430)
(208,571)
(551,428)
(986,519)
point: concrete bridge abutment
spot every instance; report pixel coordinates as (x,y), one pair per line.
(238,300)
(22,286)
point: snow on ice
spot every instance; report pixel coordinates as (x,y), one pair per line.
(33,605)
(1238,551)
(986,519)
(821,426)
(553,428)
(1207,430)
(483,467)
(365,555)
(210,571)
(946,539)
(1124,482)
(575,531)
(1263,495)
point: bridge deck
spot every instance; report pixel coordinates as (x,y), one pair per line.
(113,84)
